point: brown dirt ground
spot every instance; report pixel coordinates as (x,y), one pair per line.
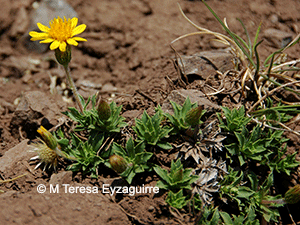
(127,59)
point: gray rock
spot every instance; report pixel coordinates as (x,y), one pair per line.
(15,155)
(35,108)
(179,96)
(278,38)
(64,177)
(207,63)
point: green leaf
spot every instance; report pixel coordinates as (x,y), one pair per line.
(226,218)
(162,173)
(176,200)
(164,145)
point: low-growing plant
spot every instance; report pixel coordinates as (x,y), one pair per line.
(186,116)
(235,119)
(105,117)
(135,156)
(229,185)
(250,196)
(86,155)
(247,218)
(283,164)
(178,178)
(250,145)
(176,200)
(150,130)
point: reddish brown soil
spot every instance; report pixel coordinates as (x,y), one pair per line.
(126,58)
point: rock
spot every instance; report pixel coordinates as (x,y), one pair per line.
(14,156)
(143,7)
(108,88)
(64,177)
(20,24)
(179,96)
(35,108)
(131,114)
(205,64)
(259,7)
(5,18)
(99,48)
(274,18)
(278,38)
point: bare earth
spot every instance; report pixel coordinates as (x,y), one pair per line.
(127,58)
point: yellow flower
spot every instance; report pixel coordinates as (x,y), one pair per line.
(48,138)
(47,149)
(60,33)
(46,155)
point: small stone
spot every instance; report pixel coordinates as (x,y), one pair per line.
(15,155)
(179,96)
(33,108)
(207,63)
(274,18)
(107,88)
(64,177)
(21,23)
(278,38)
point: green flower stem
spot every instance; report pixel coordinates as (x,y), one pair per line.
(73,87)
(64,155)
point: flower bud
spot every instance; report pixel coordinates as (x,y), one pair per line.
(292,196)
(104,111)
(193,116)
(118,163)
(48,138)
(63,58)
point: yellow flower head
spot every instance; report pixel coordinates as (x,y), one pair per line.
(47,149)
(60,33)
(46,155)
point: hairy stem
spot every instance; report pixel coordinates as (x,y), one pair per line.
(73,88)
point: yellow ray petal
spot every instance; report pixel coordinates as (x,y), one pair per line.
(48,40)
(78,30)
(37,36)
(43,27)
(54,45)
(79,39)
(74,22)
(62,46)
(71,41)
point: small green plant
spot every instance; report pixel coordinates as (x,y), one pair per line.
(105,117)
(178,178)
(247,219)
(185,116)
(236,119)
(250,197)
(135,156)
(229,185)
(176,200)
(250,145)
(149,130)
(86,154)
